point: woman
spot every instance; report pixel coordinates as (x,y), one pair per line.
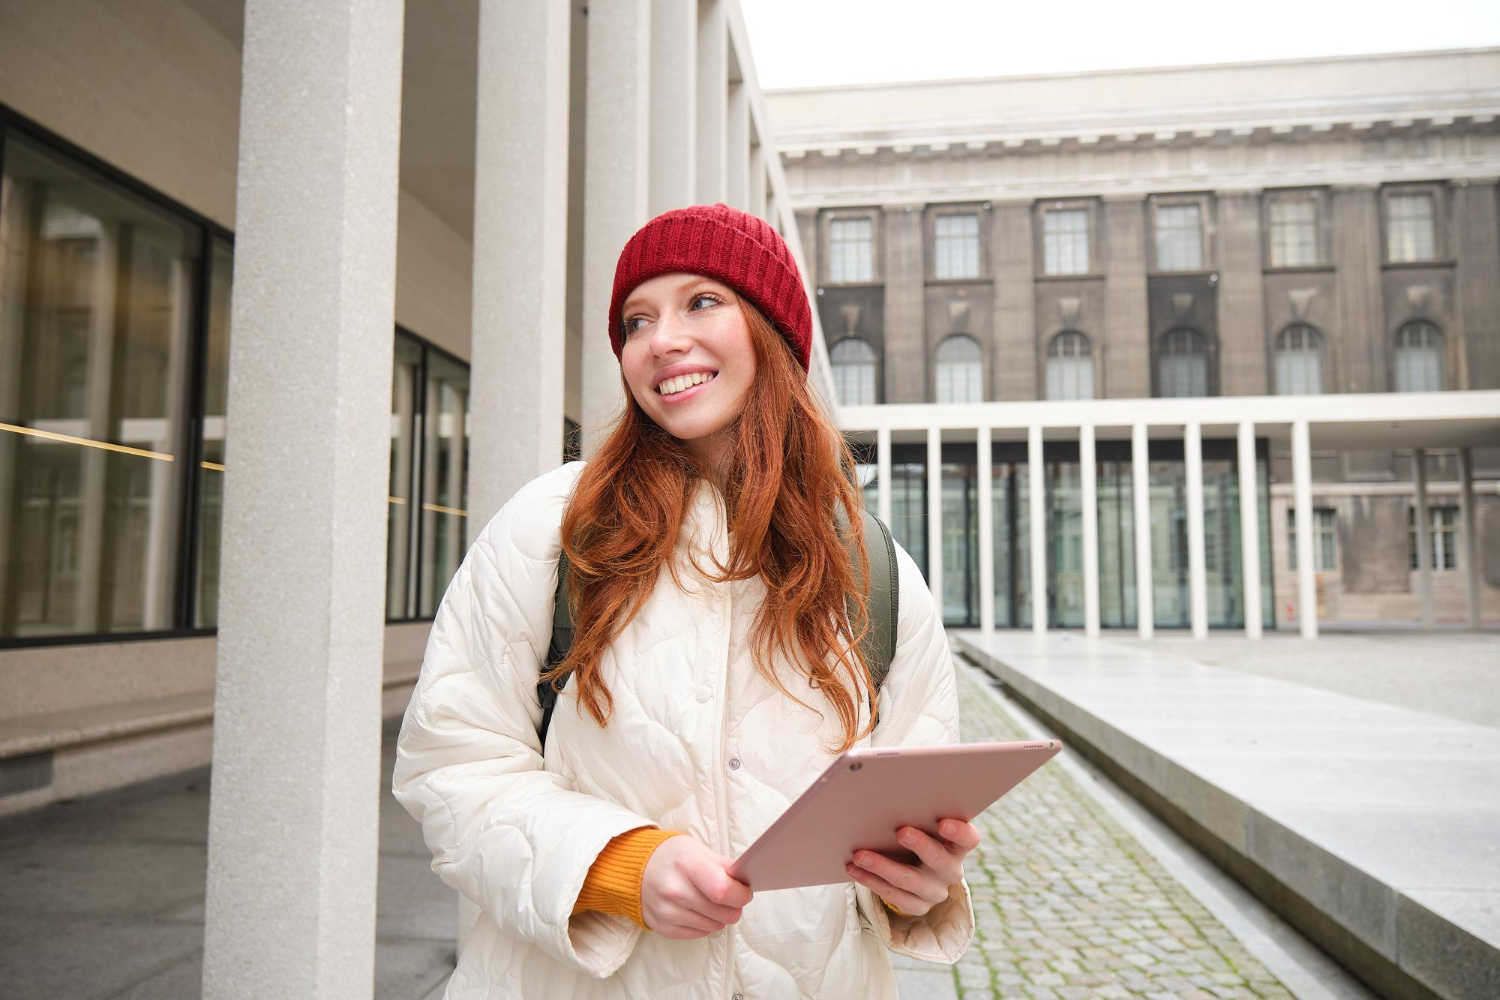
(713,675)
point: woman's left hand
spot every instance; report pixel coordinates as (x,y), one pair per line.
(915,889)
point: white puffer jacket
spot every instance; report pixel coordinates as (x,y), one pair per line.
(698,741)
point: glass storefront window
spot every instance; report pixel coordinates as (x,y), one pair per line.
(401,529)
(445,487)
(215,406)
(960,538)
(96,314)
(114,329)
(909,501)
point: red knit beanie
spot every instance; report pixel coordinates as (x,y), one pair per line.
(727,245)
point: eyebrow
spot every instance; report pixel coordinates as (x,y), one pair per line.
(694,280)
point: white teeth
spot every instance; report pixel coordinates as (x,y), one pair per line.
(681,382)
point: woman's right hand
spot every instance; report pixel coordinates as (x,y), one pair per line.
(686,891)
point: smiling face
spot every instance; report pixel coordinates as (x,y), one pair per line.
(687,357)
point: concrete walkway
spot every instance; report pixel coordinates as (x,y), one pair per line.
(1376,827)
(102,899)
(1456,674)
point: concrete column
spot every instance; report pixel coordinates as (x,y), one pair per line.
(1037,484)
(1140,483)
(713,102)
(520,252)
(1192,450)
(758,180)
(1249,529)
(1360,338)
(737,155)
(616,192)
(1423,533)
(935,515)
(1356,358)
(1088,470)
(905,306)
(1014,375)
(986,474)
(293,815)
(674,104)
(1125,359)
(1469,534)
(1242,301)
(883,475)
(1476,247)
(1307,588)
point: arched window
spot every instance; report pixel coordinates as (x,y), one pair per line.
(960,370)
(1419,357)
(1070,366)
(1182,364)
(853,363)
(1299,361)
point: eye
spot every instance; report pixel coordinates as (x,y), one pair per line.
(632,324)
(712,300)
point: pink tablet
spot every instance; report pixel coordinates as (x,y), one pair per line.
(867,794)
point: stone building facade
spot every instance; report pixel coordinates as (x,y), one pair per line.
(1316,226)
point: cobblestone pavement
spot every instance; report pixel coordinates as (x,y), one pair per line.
(1069,906)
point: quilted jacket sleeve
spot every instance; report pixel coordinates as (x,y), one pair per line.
(514,838)
(919,706)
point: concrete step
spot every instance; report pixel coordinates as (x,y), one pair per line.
(1373,828)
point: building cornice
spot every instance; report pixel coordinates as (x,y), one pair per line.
(810,195)
(1476,114)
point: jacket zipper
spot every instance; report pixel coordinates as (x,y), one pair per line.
(721,793)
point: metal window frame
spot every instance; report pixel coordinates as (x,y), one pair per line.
(184,602)
(188,476)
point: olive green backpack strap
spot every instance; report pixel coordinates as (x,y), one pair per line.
(557,649)
(878,647)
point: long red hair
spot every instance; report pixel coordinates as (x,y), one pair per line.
(785,477)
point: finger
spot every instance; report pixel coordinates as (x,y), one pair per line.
(715,912)
(690,919)
(717,887)
(934,853)
(916,882)
(960,834)
(900,898)
(677,933)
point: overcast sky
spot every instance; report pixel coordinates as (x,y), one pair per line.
(803,43)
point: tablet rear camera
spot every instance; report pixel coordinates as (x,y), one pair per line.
(855,766)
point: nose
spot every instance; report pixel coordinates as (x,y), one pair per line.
(669,335)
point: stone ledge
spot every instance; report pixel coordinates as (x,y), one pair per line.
(80,727)
(1408,940)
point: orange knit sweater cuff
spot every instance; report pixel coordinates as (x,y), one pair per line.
(893,907)
(613,884)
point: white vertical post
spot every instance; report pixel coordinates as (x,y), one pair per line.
(935,514)
(713,101)
(1088,469)
(520,252)
(1140,488)
(615,186)
(1468,526)
(1423,533)
(1307,587)
(758,179)
(985,471)
(1192,449)
(1250,529)
(293,815)
(674,103)
(1037,486)
(737,155)
(883,475)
